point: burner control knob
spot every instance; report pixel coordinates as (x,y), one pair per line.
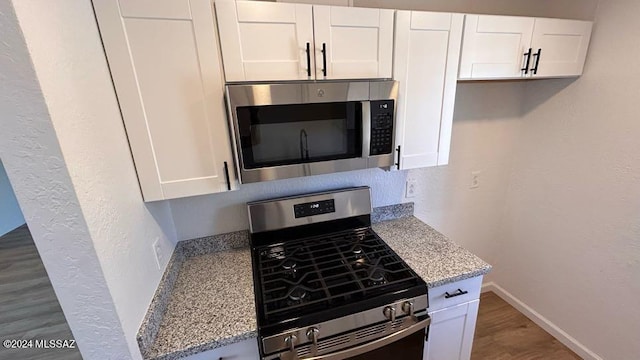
(390,313)
(291,341)
(407,307)
(312,335)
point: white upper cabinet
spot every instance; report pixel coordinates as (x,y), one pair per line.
(267,41)
(353,43)
(510,47)
(494,46)
(427,49)
(562,46)
(164,60)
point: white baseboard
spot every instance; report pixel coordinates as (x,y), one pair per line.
(541,321)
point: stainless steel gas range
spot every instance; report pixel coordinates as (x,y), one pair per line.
(327,287)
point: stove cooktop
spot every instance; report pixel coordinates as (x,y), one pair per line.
(303,281)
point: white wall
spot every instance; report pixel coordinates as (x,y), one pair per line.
(10,213)
(221,213)
(69,61)
(33,159)
(485,128)
(571,242)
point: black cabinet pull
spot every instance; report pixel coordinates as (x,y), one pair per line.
(527,61)
(308,60)
(457,293)
(398,151)
(534,71)
(324,59)
(226,174)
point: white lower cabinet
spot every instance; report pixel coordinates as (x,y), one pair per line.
(453,323)
(243,350)
(451,332)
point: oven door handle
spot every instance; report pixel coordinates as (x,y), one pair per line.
(422,321)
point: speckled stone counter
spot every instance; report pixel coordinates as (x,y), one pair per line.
(206,299)
(430,254)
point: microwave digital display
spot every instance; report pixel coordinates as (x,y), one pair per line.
(314,208)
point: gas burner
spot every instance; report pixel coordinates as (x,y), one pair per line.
(357,250)
(276,252)
(377,277)
(297,294)
(289,265)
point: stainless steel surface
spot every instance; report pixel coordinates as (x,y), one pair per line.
(327,329)
(390,313)
(302,93)
(299,170)
(278,213)
(366,128)
(360,341)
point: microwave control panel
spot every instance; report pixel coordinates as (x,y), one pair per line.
(381,127)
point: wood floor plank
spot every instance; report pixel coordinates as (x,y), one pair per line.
(29,308)
(503,333)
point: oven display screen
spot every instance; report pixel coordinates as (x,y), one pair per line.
(314,208)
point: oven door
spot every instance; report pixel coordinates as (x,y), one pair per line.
(405,344)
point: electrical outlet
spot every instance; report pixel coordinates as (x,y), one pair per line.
(410,190)
(157,250)
(475,179)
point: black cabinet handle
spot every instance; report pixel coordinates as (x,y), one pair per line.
(457,293)
(534,71)
(324,59)
(226,174)
(308,60)
(527,61)
(398,151)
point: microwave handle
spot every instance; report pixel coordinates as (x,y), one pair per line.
(366,129)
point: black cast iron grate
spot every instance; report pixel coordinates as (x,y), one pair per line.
(317,273)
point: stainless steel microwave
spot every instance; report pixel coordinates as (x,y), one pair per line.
(299,129)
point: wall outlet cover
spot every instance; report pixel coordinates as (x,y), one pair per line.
(410,190)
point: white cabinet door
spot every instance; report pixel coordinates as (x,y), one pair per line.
(357,42)
(427,49)
(451,332)
(265,40)
(243,350)
(166,68)
(563,46)
(494,47)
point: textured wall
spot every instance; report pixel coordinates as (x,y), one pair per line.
(33,159)
(569,9)
(571,244)
(10,213)
(69,61)
(484,135)
(220,213)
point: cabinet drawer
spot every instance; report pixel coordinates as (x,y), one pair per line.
(438,298)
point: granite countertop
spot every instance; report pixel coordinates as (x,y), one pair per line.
(206,300)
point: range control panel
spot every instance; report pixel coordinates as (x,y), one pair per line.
(381,127)
(314,208)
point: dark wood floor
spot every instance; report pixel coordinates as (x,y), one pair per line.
(29,308)
(502,333)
